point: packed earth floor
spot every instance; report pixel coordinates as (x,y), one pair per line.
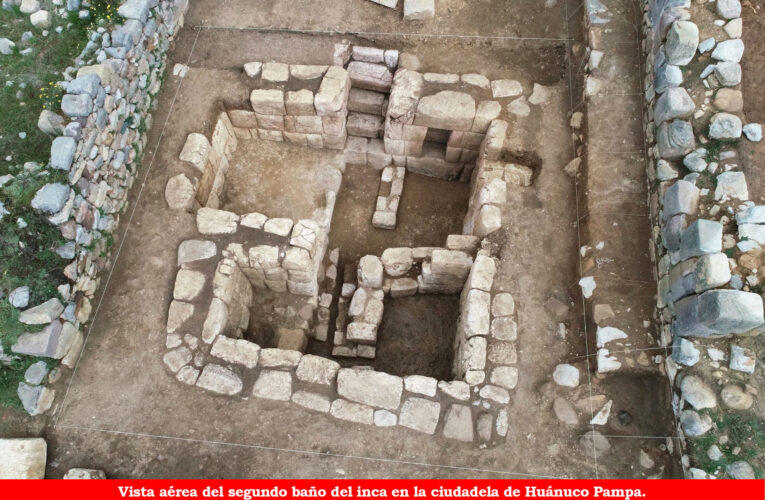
(120,409)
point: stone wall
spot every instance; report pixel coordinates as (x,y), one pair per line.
(210,354)
(108,106)
(706,239)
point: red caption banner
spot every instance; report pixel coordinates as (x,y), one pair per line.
(372,489)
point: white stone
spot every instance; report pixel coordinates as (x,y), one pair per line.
(420,414)
(272,384)
(566,375)
(506,88)
(219,379)
(23,458)
(420,384)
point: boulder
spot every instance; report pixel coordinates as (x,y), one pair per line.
(682,42)
(458,423)
(51,198)
(179,193)
(217,378)
(317,370)
(237,351)
(370,388)
(447,109)
(674,103)
(51,123)
(23,458)
(194,250)
(418,10)
(697,393)
(725,126)
(272,384)
(213,221)
(195,150)
(42,313)
(420,414)
(566,375)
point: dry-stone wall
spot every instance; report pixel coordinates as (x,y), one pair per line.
(707,234)
(205,348)
(108,108)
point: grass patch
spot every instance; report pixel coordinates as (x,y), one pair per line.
(747,434)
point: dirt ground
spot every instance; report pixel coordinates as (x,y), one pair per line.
(278,179)
(121,412)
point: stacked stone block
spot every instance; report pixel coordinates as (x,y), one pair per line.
(107,106)
(707,284)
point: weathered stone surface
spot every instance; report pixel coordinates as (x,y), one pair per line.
(593,443)
(489,220)
(731,311)
(195,150)
(194,250)
(712,271)
(458,423)
(397,261)
(23,458)
(215,322)
(728,73)
(212,221)
(456,389)
(36,373)
(728,9)
(740,470)
(62,153)
(674,103)
(729,50)
(734,397)
(279,358)
(403,287)
(384,418)
(504,328)
(495,393)
(742,359)
(317,370)
(417,10)
(238,351)
(272,384)
(219,379)
(370,272)
(753,132)
(84,474)
(506,88)
(682,42)
(475,315)
(446,110)
(77,105)
(370,387)
(179,193)
(565,411)
(505,376)
(275,72)
(566,375)
(451,262)
(188,284)
(51,198)
(53,341)
(312,401)
(51,123)
(332,96)
(420,384)
(502,353)
(420,414)
(695,425)
(502,304)
(701,237)
(42,313)
(370,76)
(697,393)
(353,412)
(252,69)
(675,139)
(725,126)
(268,102)
(36,400)
(177,358)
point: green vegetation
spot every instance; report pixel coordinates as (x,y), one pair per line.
(745,434)
(28,242)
